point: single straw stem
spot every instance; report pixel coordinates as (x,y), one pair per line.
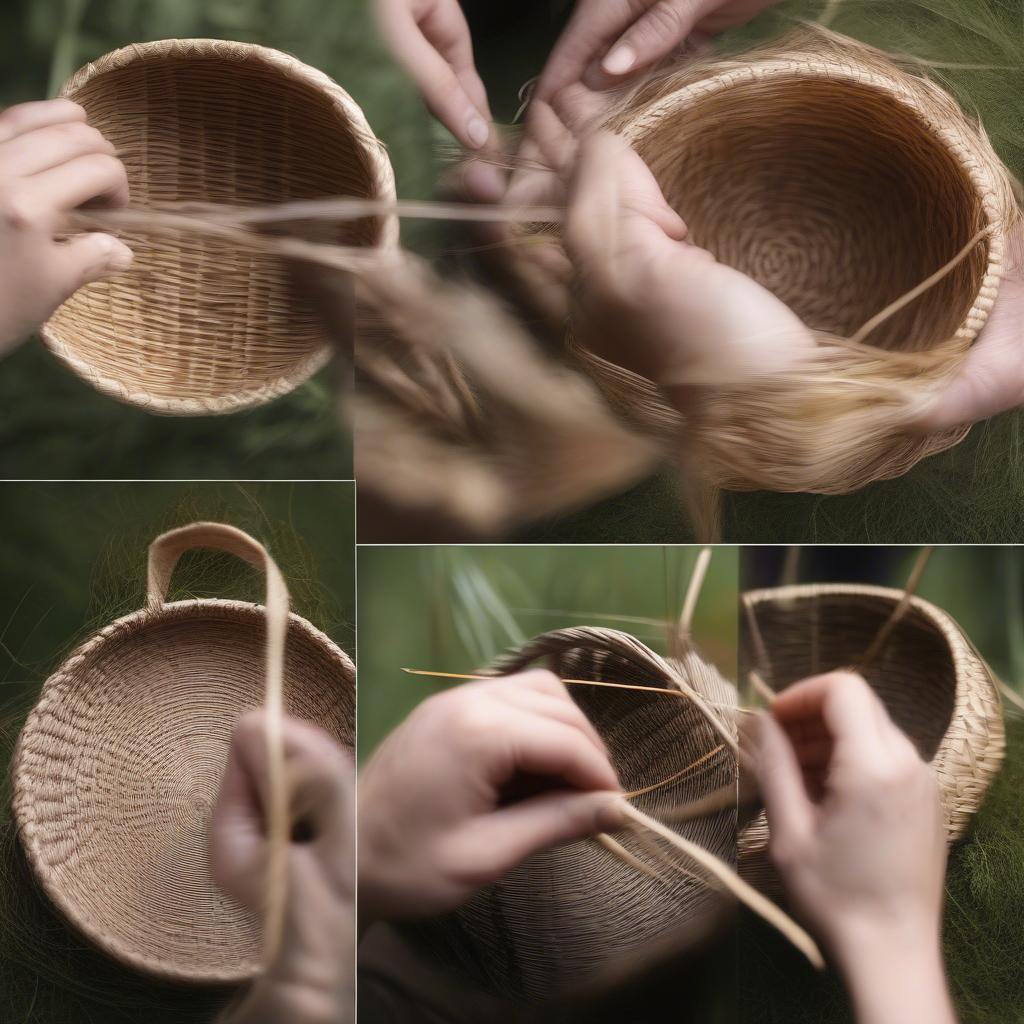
(898,612)
(744,892)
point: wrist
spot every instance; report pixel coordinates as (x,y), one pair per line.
(894,972)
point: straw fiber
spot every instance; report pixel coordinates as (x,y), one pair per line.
(935,685)
(840,181)
(119,765)
(573,916)
(200,325)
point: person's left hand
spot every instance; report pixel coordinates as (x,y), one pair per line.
(991,378)
(311,982)
(652,302)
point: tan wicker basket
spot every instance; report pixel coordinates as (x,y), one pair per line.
(119,764)
(936,686)
(199,325)
(577,916)
(839,181)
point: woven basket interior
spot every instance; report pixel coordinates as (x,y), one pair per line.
(833,194)
(199,318)
(914,673)
(576,915)
(119,769)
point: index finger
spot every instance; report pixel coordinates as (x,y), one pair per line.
(27,117)
(843,702)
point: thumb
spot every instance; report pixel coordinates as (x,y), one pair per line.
(781,782)
(551,819)
(86,258)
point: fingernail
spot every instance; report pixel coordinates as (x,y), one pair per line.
(619,60)
(477,131)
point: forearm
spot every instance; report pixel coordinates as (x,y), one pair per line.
(893,980)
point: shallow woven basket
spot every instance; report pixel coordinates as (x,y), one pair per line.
(576,916)
(840,182)
(119,764)
(200,325)
(935,685)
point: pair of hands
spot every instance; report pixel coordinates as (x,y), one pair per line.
(311,980)
(688,320)
(854,812)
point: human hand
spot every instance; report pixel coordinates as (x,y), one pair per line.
(857,835)
(650,301)
(608,40)
(430,38)
(51,162)
(470,784)
(311,980)
(991,378)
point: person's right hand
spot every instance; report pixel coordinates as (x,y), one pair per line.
(51,162)
(470,784)
(857,836)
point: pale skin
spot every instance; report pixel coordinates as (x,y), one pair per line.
(857,835)
(854,815)
(311,980)
(438,814)
(52,162)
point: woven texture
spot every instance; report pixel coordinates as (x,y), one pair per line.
(935,685)
(575,914)
(199,325)
(118,768)
(840,182)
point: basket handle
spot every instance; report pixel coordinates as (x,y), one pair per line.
(164,554)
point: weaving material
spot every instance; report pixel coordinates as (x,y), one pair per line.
(577,914)
(840,181)
(119,765)
(200,325)
(934,683)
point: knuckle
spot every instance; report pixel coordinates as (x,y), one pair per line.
(664,19)
(18,212)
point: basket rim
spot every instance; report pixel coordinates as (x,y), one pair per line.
(373,151)
(968,664)
(974,158)
(22,798)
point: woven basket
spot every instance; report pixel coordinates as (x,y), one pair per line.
(199,325)
(935,685)
(577,916)
(840,182)
(119,765)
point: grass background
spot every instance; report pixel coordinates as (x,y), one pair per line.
(72,558)
(453,609)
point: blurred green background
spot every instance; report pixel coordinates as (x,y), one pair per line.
(453,609)
(73,558)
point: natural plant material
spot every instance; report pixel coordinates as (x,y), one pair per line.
(199,325)
(137,689)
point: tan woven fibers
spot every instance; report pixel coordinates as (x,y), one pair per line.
(936,686)
(840,181)
(119,765)
(577,915)
(199,325)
